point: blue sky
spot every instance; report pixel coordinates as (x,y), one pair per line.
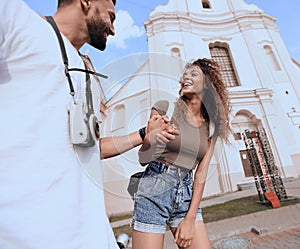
(131,14)
(128,48)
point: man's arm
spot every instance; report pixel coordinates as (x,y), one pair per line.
(152,138)
(113,146)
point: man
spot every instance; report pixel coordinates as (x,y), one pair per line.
(46,198)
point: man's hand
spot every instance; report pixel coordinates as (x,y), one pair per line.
(159,129)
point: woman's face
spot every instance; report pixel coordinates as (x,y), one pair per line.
(192,81)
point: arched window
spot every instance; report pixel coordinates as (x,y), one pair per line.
(118,120)
(272,58)
(175,52)
(221,55)
(176,69)
(206,4)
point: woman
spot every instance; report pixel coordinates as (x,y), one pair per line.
(169,194)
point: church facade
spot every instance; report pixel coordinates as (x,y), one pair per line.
(262,79)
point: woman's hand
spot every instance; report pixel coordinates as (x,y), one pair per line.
(159,129)
(185,232)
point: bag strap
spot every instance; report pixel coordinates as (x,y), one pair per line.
(211,129)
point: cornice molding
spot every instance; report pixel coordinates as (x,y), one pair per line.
(186,22)
(210,18)
(217,38)
(251,96)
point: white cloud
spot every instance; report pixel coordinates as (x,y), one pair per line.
(125,29)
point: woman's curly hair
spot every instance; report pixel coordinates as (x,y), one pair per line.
(215,101)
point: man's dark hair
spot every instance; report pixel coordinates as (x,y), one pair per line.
(66,2)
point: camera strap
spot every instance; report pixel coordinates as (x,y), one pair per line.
(51,21)
(63,53)
(88,90)
(83,133)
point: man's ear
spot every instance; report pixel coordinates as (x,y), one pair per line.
(85,4)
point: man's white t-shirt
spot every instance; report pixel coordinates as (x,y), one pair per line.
(47,199)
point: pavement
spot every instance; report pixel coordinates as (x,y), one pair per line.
(277,228)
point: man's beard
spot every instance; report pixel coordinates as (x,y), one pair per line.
(96,31)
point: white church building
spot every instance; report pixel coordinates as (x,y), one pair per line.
(262,79)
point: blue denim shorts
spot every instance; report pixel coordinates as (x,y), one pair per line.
(163,198)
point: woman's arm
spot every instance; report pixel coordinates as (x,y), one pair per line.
(200,179)
(185,231)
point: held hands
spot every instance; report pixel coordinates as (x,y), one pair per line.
(159,129)
(184,233)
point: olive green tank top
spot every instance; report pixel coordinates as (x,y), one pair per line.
(188,148)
